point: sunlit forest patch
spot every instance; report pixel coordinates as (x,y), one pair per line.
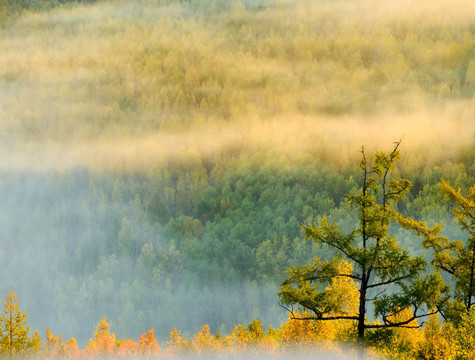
(116,71)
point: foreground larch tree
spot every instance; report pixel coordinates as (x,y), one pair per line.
(457,257)
(15,338)
(386,274)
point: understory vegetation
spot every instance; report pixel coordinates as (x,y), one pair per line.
(293,338)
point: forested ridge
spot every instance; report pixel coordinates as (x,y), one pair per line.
(159,158)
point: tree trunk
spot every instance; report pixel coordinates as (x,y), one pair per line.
(361,318)
(470,290)
(10,330)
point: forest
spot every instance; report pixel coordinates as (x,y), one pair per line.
(158,159)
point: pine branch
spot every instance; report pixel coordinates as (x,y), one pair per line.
(390,281)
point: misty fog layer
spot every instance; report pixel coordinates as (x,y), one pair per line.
(331,139)
(111,84)
(156,161)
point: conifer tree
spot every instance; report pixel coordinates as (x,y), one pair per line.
(457,257)
(15,339)
(386,274)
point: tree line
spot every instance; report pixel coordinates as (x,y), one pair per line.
(436,341)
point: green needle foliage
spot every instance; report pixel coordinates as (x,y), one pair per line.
(387,275)
(15,340)
(457,257)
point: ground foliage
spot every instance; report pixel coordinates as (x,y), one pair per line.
(293,338)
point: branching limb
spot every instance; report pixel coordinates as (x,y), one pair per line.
(390,281)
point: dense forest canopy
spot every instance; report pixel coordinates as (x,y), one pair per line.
(158,157)
(242,74)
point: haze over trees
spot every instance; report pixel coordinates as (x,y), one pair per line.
(158,157)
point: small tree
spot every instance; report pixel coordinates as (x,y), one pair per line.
(103,342)
(175,342)
(15,340)
(386,274)
(454,256)
(55,347)
(148,345)
(52,346)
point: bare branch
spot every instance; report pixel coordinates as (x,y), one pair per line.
(341,317)
(377,295)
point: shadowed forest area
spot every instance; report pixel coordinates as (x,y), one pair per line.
(158,158)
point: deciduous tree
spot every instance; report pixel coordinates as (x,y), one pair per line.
(103,342)
(52,346)
(148,345)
